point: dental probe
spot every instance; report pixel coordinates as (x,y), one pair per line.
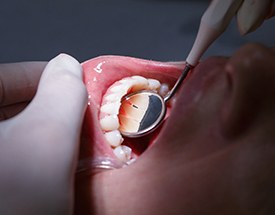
(145,110)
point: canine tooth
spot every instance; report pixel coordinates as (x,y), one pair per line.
(109,123)
(164,89)
(114,138)
(110,108)
(153,84)
(123,153)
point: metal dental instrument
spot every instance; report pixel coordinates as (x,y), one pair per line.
(146,109)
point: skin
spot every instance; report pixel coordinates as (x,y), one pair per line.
(219,158)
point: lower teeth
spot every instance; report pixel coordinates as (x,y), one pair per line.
(123,153)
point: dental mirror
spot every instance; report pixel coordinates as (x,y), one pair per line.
(150,106)
(143,111)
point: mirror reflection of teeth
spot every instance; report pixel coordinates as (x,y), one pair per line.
(113,117)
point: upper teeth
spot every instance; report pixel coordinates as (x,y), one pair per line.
(109,110)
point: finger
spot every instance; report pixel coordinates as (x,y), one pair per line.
(59,104)
(41,143)
(251,15)
(9,111)
(272,10)
(18,81)
(48,130)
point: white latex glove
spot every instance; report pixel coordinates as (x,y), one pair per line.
(252,14)
(39,146)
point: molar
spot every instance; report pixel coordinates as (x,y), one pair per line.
(164,89)
(113,97)
(111,108)
(121,88)
(154,84)
(123,153)
(114,138)
(109,123)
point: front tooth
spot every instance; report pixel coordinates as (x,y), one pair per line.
(153,84)
(111,108)
(109,123)
(114,138)
(123,153)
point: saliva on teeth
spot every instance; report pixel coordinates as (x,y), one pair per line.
(113,116)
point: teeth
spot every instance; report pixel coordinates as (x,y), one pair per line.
(140,79)
(133,160)
(111,108)
(114,138)
(109,123)
(153,84)
(163,90)
(123,153)
(141,83)
(114,97)
(121,88)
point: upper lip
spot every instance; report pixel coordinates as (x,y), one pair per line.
(115,68)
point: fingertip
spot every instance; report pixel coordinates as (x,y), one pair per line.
(61,92)
(251,15)
(271,11)
(65,61)
(63,74)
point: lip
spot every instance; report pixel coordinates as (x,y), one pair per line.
(99,74)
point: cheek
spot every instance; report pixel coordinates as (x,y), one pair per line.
(199,102)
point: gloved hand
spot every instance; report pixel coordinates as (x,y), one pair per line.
(252,13)
(39,146)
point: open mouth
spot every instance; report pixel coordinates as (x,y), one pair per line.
(108,79)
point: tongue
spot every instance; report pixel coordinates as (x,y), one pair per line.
(99,74)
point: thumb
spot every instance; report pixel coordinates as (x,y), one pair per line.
(48,129)
(40,145)
(60,104)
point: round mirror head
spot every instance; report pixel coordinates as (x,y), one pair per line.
(140,113)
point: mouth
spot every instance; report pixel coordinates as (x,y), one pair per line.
(102,144)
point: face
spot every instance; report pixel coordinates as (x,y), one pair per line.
(214,154)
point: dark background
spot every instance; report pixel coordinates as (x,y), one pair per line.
(153,29)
